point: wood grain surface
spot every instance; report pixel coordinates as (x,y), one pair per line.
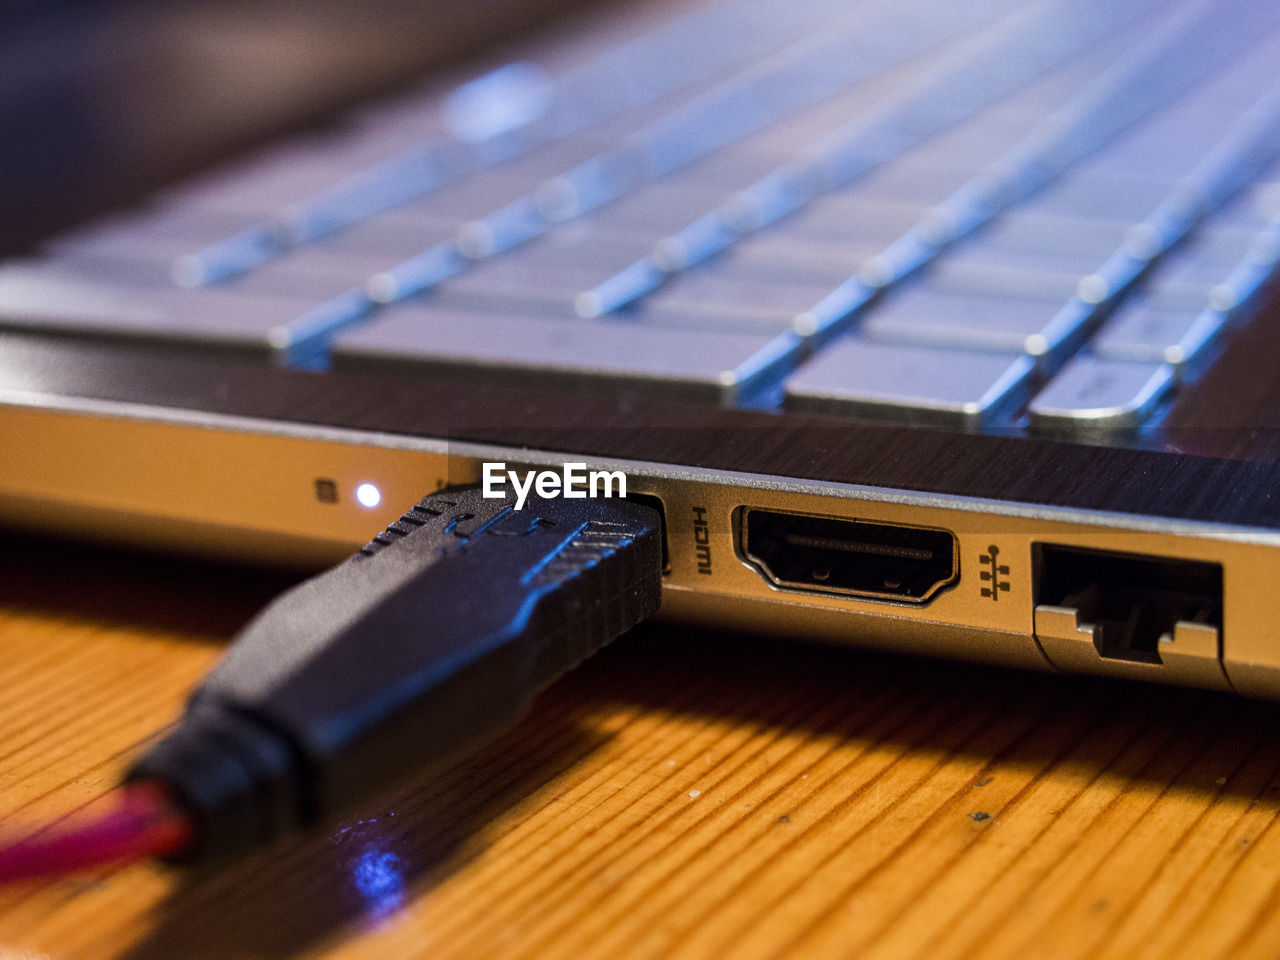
(682,795)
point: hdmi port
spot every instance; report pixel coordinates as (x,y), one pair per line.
(861,558)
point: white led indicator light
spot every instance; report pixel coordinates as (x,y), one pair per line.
(368,495)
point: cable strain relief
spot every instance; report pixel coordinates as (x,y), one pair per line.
(236,778)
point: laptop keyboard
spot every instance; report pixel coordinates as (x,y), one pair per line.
(994,216)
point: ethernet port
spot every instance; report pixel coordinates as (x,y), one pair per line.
(1130,607)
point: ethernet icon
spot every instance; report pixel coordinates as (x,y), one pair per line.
(993,574)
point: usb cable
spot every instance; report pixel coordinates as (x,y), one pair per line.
(432,639)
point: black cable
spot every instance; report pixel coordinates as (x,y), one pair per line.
(429,641)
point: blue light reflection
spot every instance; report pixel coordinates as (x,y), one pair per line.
(379,877)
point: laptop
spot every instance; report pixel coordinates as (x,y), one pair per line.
(936,328)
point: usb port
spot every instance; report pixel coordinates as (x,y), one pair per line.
(655,503)
(859,558)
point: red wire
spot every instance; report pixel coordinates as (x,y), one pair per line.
(143,824)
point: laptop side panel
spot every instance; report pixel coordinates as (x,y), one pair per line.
(801,528)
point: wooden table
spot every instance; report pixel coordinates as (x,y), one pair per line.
(682,795)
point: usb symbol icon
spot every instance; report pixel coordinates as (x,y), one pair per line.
(993,572)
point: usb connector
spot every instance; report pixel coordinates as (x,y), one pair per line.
(433,638)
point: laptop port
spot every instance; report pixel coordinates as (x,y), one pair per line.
(861,558)
(1127,607)
(655,503)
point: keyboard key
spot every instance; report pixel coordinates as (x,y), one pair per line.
(486,190)
(830,232)
(268,180)
(1257,205)
(988,271)
(38,297)
(1185,282)
(145,262)
(1222,244)
(714,364)
(919,385)
(1147,332)
(925,316)
(842,219)
(659,207)
(1101,195)
(394,237)
(385,186)
(783,255)
(1191,278)
(855,217)
(547,275)
(1091,395)
(1026,230)
(308,274)
(728,299)
(146,235)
